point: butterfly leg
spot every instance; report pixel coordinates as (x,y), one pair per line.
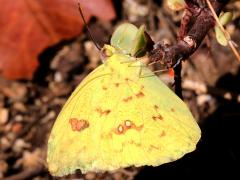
(130,61)
(140,72)
(140,75)
(145,76)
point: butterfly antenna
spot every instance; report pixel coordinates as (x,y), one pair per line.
(88,29)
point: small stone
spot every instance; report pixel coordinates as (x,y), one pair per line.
(45,99)
(58,77)
(90,176)
(19,107)
(19,145)
(18,118)
(130,6)
(202,99)
(38,102)
(4,114)
(118,175)
(33,159)
(227,96)
(59,89)
(50,115)
(5,143)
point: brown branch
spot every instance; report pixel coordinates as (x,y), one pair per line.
(178,80)
(196,23)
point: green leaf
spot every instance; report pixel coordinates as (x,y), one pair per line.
(128,39)
(224,19)
(123,37)
(220,36)
(139,42)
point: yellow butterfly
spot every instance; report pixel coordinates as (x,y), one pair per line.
(121,115)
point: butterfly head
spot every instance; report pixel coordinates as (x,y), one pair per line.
(107,51)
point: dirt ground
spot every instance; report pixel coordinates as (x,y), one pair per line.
(211,83)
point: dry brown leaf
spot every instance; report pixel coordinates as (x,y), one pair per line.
(28,27)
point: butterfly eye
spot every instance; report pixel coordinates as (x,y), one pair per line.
(106,52)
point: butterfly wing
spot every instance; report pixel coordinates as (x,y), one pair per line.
(150,124)
(72,140)
(115,118)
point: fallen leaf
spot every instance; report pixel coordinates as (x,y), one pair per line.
(28,27)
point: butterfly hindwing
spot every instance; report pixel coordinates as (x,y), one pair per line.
(119,116)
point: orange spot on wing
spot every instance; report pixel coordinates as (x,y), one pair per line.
(132,142)
(163,133)
(140,94)
(117,84)
(104,88)
(128,124)
(123,128)
(156,107)
(120,130)
(78,125)
(173,110)
(158,117)
(139,128)
(103,112)
(154,147)
(106,112)
(127,99)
